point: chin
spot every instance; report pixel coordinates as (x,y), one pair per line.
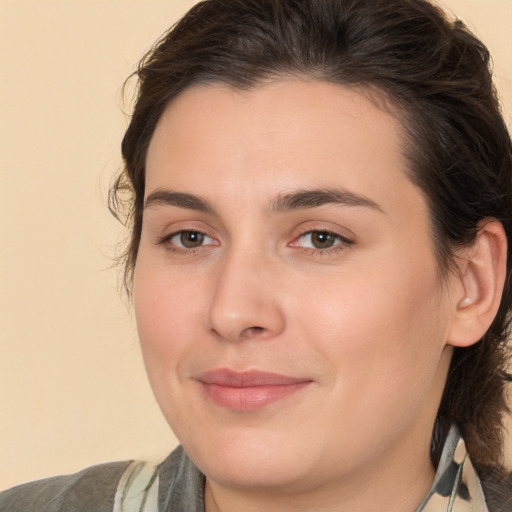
(250,459)
(251,472)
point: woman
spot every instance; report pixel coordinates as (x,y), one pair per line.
(320,195)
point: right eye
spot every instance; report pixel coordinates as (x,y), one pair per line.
(188,239)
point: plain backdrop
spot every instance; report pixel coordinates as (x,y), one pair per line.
(72,386)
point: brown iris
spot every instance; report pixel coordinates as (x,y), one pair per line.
(322,239)
(191,239)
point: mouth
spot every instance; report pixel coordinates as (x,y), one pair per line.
(250,390)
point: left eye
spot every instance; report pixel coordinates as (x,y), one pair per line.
(321,240)
(190,239)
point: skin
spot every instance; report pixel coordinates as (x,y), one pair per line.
(366,320)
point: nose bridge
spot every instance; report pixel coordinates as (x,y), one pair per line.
(244,302)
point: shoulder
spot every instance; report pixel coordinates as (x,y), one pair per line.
(93,488)
(181,484)
(175,484)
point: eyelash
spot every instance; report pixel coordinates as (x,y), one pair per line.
(166,241)
(342,242)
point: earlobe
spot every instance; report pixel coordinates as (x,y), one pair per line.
(482,277)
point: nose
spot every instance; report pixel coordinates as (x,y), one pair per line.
(246,302)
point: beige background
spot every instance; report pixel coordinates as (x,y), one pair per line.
(72,386)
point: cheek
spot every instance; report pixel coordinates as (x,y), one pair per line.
(169,319)
(168,313)
(381,331)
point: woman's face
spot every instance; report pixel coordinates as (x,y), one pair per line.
(291,316)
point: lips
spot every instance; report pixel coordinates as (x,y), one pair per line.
(250,390)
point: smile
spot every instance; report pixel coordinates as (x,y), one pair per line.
(247,391)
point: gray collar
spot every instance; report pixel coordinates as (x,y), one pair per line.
(456,486)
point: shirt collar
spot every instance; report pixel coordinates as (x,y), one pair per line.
(456,486)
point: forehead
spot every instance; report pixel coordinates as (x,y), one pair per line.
(277,136)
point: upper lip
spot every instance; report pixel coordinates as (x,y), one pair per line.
(250,378)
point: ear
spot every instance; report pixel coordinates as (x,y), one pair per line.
(476,296)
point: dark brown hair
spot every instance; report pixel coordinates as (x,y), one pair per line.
(435,75)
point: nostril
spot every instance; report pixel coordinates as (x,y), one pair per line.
(252,331)
(249,332)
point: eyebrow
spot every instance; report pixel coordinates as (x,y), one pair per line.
(178,199)
(297,200)
(304,199)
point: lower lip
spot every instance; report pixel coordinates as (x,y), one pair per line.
(250,398)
